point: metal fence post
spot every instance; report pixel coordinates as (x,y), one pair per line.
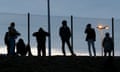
(113,34)
(28,45)
(29,28)
(72,31)
(49,28)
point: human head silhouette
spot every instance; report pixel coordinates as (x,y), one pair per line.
(12,24)
(64,23)
(89,25)
(107,34)
(40,29)
(21,40)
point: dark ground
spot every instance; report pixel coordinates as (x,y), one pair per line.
(59,64)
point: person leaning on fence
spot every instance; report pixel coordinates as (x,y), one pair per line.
(90,38)
(41,40)
(107,44)
(65,35)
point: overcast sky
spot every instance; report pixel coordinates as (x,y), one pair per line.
(79,8)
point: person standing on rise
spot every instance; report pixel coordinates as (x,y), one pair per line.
(12,36)
(90,38)
(107,44)
(41,41)
(6,41)
(65,35)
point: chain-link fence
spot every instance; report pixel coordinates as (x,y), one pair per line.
(117,36)
(79,23)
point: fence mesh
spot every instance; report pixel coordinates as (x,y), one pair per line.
(79,23)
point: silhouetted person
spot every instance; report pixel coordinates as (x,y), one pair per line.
(6,41)
(12,35)
(20,48)
(65,35)
(41,41)
(107,44)
(90,38)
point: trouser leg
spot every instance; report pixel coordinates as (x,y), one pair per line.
(63,47)
(93,46)
(89,48)
(71,49)
(12,46)
(43,50)
(39,50)
(105,53)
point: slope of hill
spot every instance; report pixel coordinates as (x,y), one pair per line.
(59,64)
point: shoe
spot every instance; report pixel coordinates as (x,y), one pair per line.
(73,55)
